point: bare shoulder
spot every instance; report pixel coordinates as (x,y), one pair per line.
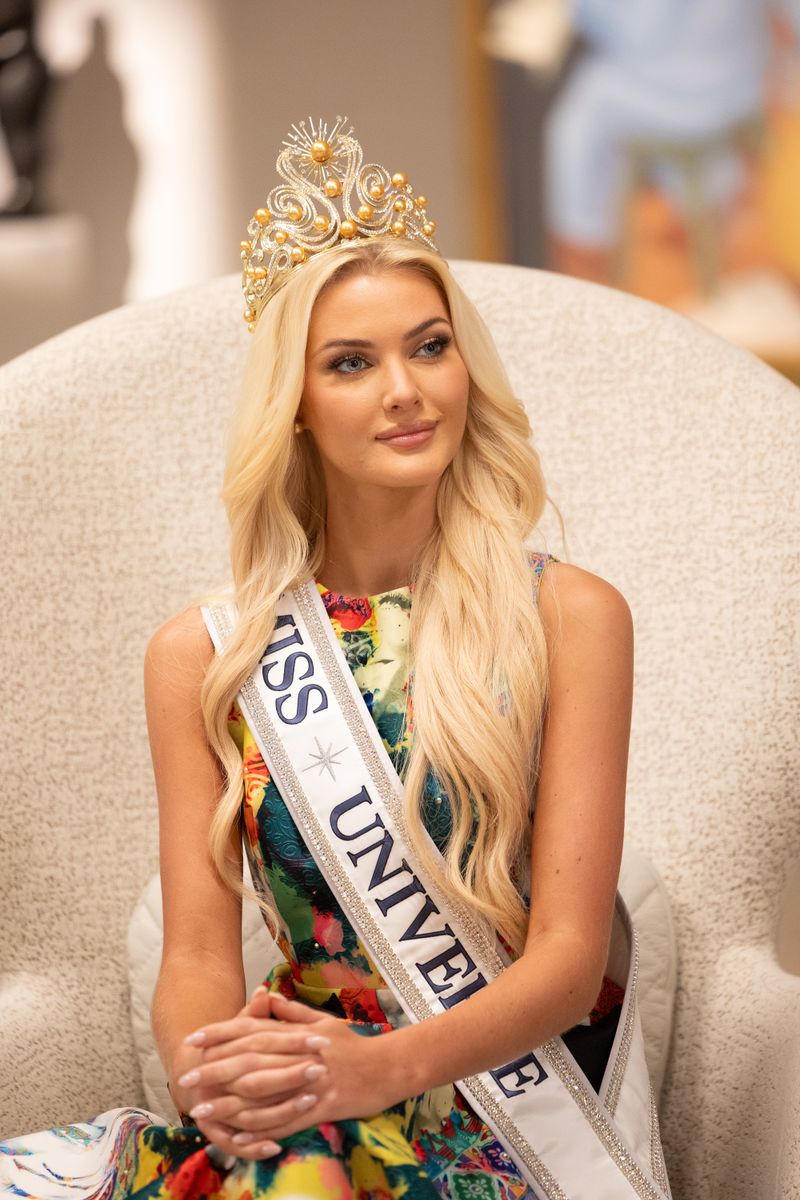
(180,651)
(578,602)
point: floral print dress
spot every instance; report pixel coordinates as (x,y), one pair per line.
(430,1146)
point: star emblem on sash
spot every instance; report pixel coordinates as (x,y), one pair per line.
(326,760)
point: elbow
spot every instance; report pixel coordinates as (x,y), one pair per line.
(589,975)
(590,994)
(584,970)
(578,1003)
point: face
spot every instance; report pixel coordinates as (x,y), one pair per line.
(385,395)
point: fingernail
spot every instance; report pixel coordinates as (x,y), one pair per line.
(242,1138)
(314,1042)
(280,996)
(304,1102)
(259,991)
(190,1078)
(195,1039)
(269,1148)
(315,1071)
(201,1110)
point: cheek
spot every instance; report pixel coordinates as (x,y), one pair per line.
(338,426)
(458,386)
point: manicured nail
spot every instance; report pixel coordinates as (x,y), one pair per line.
(315,1071)
(241,1139)
(201,1110)
(195,1039)
(314,1042)
(190,1078)
(268,1149)
(304,1102)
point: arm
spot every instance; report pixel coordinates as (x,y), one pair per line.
(201,976)
(575,864)
(577,846)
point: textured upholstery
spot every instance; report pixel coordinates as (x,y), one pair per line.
(672,457)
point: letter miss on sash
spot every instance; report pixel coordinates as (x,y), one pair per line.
(290,670)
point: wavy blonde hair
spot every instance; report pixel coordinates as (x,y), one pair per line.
(477,649)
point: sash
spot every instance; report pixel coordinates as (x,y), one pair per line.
(326,756)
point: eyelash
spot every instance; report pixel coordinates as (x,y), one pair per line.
(442,341)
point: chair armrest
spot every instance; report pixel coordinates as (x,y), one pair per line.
(65,1050)
(735,1120)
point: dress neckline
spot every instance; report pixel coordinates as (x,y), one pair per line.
(343,598)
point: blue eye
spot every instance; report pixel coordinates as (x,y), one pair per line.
(434,347)
(349,365)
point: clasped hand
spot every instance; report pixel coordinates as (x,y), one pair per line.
(278,1067)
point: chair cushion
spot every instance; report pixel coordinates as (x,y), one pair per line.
(641,888)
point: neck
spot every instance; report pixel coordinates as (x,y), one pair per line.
(372,541)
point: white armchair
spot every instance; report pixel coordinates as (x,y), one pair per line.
(673,457)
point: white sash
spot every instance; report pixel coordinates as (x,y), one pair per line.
(326,756)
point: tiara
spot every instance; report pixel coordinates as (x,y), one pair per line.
(300,219)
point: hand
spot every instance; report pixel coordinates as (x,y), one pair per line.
(189,1056)
(280,1077)
(255,1073)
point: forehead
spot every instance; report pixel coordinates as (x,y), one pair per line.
(359,305)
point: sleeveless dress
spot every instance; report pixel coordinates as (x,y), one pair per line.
(427,1147)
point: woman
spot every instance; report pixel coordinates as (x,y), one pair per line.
(379,453)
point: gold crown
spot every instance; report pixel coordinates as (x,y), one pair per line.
(300,218)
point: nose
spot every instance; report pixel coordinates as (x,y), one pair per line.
(401,389)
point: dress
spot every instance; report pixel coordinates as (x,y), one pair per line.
(428,1147)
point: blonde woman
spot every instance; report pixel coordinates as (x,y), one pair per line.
(388,617)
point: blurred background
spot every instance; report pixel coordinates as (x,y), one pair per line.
(652,146)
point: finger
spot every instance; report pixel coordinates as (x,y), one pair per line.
(259,1089)
(226,1071)
(293,1010)
(259,1123)
(262,1044)
(276,1037)
(229,1109)
(221,1138)
(247,1139)
(219,1133)
(260,1004)
(222,1031)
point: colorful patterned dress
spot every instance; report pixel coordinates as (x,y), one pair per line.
(430,1146)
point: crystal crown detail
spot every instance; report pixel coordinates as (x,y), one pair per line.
(324,173)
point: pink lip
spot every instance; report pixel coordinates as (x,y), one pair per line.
(409,435)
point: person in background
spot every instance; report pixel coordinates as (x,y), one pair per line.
(668,70)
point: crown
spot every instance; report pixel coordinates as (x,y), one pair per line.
(300,219)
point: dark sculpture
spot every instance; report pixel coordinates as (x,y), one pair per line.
(23,86)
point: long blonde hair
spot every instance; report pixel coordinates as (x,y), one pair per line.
(477,648)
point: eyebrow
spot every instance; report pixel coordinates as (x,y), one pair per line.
(363,344)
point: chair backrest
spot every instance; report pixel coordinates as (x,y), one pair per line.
(672,457)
